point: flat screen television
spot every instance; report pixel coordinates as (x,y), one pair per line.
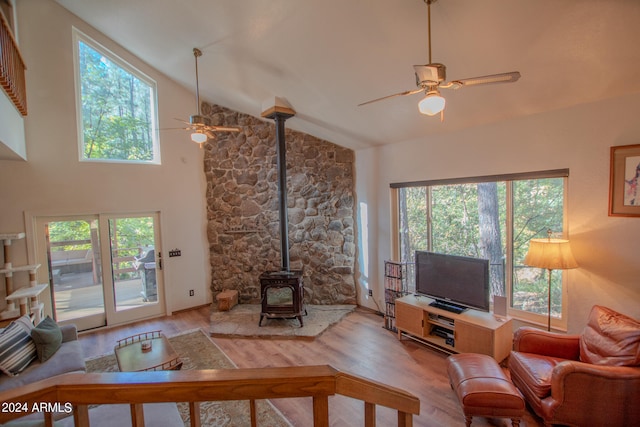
(454,282)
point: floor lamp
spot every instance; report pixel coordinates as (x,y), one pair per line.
(552,254)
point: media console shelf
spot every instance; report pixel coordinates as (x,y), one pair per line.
(471,331)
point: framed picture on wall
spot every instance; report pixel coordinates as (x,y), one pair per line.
(624,181)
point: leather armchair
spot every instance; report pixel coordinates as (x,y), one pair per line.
(547,368)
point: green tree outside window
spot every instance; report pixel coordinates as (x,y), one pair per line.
(118,111)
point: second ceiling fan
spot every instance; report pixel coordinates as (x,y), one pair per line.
(431,77)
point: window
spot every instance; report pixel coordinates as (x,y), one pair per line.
(116,107)
(492,218)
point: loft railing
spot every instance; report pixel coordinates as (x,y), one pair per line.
(12,68)
(195,386)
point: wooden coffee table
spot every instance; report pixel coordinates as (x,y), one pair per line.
(160,357)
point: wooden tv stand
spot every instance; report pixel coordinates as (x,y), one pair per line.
(471,331)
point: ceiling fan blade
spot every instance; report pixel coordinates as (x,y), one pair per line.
(211,128)
(510,77)
(407,92)
(222,129)
(174,128)
(182,121)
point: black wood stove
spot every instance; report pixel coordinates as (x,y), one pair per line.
(282,292)
(282,295)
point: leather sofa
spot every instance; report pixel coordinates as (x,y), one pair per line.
(591,379)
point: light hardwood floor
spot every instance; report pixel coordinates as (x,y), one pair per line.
(358,345)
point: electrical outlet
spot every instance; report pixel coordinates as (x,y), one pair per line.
(370,292)
(191,292)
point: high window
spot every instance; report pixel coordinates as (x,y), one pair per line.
(116,105)
(492,218)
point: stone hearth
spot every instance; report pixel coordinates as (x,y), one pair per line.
(242,209)
(242,322)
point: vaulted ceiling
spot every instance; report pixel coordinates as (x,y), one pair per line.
(326,57)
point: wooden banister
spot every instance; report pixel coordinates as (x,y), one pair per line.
(374,393)
(12,68)
(194,386)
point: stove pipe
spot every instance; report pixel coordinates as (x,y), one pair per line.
(280,115)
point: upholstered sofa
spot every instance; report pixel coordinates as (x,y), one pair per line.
(67,358)
(591,379)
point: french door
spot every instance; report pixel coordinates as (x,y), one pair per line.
(102,269)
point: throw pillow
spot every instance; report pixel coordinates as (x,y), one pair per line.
(25,322)
(610,338)
(17,349)
(48,338)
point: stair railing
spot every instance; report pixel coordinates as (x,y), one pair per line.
(80,390)
(12,68)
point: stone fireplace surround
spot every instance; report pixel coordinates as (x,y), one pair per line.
(242,209)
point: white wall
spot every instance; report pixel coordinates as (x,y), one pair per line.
(12,143)
(54,182)
(606,248)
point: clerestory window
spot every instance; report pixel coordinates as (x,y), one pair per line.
(116,107)
(492,218)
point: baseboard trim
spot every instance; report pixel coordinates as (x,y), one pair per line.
(197,307)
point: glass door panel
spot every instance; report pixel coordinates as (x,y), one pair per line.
(75,274)
(136,285)
(133,262)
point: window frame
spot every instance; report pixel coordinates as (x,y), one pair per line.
(509,179)
(77,37)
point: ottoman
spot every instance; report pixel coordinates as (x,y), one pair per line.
(483,389)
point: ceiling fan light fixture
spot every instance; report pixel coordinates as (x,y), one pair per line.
(432,104)
(199,137)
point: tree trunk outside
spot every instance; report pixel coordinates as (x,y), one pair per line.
(490,238)
(405,243)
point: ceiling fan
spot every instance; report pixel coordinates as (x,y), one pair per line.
(200,126)
(431,77)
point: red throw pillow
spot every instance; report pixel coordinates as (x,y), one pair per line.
(610,338)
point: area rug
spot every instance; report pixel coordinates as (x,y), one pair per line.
(242,321)
(197,351)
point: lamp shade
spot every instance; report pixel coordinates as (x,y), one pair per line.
(199,137)
(431,104)
(552,254)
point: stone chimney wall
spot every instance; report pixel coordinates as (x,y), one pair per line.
(242,209)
